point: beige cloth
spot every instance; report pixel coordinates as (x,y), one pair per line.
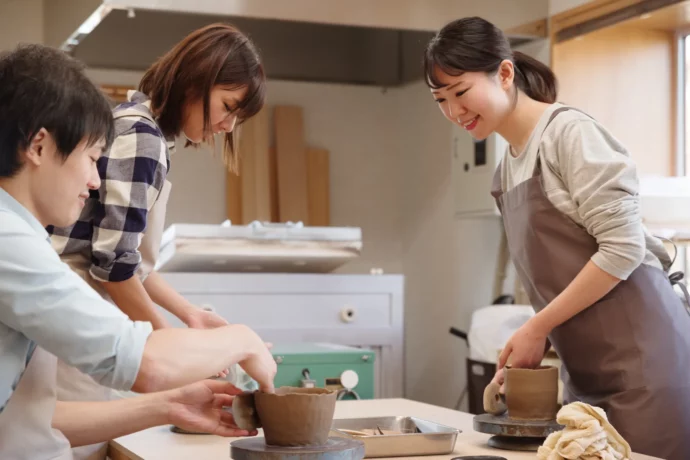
(73,385)
(587,435)
(26,430)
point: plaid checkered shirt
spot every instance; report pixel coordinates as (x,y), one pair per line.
(112,223)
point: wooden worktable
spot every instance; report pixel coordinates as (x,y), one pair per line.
(161,444)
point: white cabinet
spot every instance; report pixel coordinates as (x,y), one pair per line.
(355,310)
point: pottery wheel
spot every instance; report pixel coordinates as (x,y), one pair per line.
(335,449)
(511,434)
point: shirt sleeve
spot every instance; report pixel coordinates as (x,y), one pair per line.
(50,304)
(132,175)
(602,181)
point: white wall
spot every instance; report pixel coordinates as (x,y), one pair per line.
(20,21)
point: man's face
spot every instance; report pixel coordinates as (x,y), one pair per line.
(59,187)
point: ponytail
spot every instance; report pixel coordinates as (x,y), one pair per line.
(534,78)
(475,45)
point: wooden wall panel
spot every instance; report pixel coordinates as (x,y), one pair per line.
(292,164)
(625,79)
(318,187)
(255,168)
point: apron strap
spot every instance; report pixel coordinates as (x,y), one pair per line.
(537,163)
(676,279)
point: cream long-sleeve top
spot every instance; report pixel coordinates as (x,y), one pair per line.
(589,176)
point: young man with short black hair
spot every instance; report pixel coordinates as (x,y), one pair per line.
(54,124)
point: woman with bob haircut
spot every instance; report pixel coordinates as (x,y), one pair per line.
(206,85)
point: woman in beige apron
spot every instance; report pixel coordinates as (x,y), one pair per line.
(628,352)
(217,58)
(623,334)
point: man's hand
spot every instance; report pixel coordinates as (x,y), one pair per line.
(260,364)
(198,318)
(199,407)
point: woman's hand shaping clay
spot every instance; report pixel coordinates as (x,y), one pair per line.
(525,348)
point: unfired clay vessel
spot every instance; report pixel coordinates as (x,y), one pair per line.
(293,417)
(532,394)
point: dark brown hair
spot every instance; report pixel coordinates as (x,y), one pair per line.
(475,45)
(42,87)
(218,54)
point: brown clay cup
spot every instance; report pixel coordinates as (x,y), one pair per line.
(293,417)
(532,394)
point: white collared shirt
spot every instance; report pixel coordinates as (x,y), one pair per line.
(43,302)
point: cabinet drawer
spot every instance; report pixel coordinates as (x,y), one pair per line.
(300,310)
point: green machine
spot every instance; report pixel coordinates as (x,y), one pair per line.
(348,370)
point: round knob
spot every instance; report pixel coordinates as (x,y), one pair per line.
(279,359)
(347,314)
(349,379)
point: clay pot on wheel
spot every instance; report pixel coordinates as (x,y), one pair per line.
(532,394)
(293,417)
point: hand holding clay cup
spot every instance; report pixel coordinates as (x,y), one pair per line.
(532,394)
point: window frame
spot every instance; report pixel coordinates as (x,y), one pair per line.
(682,120)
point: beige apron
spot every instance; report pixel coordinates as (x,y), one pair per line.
(73,385)
(25,423)
(629,352)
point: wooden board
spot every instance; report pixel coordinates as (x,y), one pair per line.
(318,187)
(600,14)
(273,183)
(537,28)
(255,168)
(292,164)
(233,197)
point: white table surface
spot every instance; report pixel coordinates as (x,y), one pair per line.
(160,443)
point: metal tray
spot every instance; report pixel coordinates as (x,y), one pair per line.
(419,437)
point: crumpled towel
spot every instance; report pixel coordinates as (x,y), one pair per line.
(587,435)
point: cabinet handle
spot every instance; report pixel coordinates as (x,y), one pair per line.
(347,315)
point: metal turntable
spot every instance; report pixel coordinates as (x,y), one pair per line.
(336,448)
(511,434)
